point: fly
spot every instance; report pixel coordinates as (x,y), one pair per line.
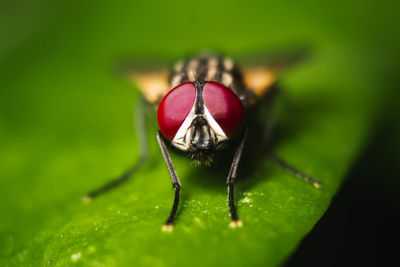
(201,110)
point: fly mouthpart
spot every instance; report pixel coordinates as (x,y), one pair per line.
(200,135)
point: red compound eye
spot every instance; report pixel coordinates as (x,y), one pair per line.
(224,106)
(174,108)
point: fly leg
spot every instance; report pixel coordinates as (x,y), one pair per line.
(176,184)
(281,163)
(143,157)
(269,125)
(236,222)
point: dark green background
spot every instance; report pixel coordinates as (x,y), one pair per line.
(66,127)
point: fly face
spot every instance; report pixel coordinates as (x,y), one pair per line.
(200,118)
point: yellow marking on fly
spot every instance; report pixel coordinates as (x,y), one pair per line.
(317,184)
(86,199)
(167,228)
(191,71)
(227,79)
(154,85)
(236,224)
(212,69)
(259,79)
(228,64)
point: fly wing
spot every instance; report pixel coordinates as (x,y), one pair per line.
(261,71)
(151,78)
(153,85)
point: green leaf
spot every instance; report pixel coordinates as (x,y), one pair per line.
(66,128)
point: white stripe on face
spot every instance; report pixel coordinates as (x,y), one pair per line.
(183,137)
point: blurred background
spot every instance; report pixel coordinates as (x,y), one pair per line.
(57,90)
